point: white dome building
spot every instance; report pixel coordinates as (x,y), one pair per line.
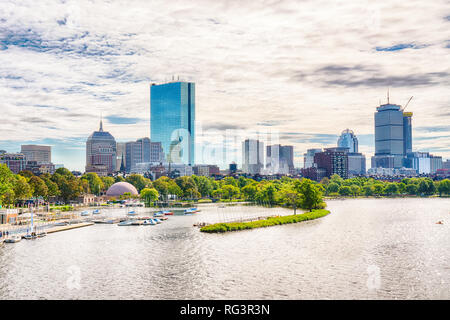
(119,188)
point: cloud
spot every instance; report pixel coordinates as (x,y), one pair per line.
(293,66)
(122,120)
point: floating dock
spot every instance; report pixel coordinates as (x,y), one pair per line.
(68,227)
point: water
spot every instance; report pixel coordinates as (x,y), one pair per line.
(366,249)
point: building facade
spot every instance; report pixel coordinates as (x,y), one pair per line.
(172,120)
(40,154)
(16,162)
(356,164)
(101,152)
(279,159)
(348,140)
(333,161)
(252,156)
(142,151)
(308,157)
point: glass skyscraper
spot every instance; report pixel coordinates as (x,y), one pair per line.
(172,120)
(348,140)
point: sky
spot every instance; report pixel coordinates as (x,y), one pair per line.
(301,70)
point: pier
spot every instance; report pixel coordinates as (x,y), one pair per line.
(68,227)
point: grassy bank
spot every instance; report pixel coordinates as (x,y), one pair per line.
(271,221)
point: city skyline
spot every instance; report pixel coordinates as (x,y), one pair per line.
(291,75)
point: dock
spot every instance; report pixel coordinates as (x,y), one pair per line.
(68,227)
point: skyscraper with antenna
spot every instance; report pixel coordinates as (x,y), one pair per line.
(393,135)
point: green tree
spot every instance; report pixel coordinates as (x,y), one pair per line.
(95,183)
(138,181)
(335,178)
(412,189)
(368,190)
(107,182)
(229,191)
(332,187)
(38,187)
(6,185)
(22,189)
(311,197)
(149,195)
(391,188)
(249,192)
(345,190)
(355,190)
(444,187)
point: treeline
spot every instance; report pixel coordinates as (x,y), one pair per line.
(301,193)
(361,186)
(62,184)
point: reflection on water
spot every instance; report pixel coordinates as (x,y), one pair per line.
(371,248)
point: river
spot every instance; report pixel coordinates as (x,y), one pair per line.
(365,249)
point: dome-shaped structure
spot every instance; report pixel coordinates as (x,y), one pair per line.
(119,188)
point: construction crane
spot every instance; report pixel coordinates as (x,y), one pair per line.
(407,103)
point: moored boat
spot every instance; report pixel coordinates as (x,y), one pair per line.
(191,211)
(158,214)
(96,211)
(84,213)
(125,223)
(168,213)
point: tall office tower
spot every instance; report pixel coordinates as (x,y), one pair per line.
(279,159)
(156,152)
(389,138)
(333,161)
(252,156)
(172,120)
(142,151)
(133,152)
(40,154)
(101,152)
(407,132)
(356,164)
(348,140)
(308,157)
(146,149)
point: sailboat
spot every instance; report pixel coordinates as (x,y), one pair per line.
(96,211)
(30,234)
(84,213)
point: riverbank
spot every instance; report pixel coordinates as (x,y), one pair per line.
(270,221)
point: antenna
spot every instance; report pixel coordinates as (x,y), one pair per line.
(388,95)
(407,103)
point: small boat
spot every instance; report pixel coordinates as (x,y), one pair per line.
(158,214)
(125,223)
(191,210)
(157,220)
(148,223)
(30,236)
(96,211)
(41,234)
(136,223)
(60,224)
(85,213)
(168,213)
